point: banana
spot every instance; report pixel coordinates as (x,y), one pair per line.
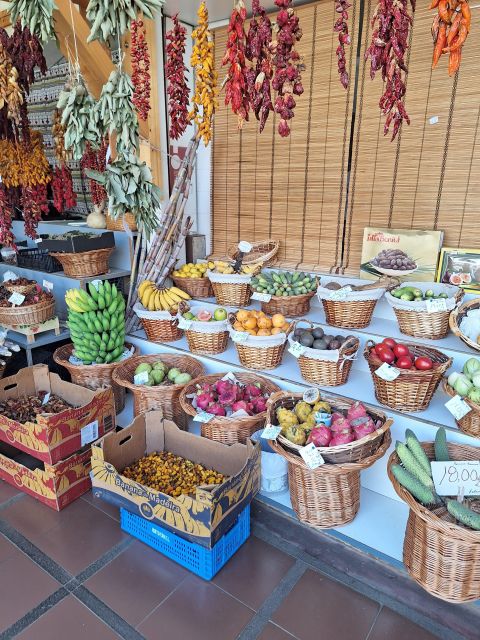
(149,293)
(168,299)
(151,302)
(180,293)
(157,302)
(163,302)
(143,286)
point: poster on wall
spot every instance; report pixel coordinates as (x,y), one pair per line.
(460,267)
(410,254)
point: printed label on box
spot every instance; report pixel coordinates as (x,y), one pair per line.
(16,298)
(433,306)
(271,432)
(262,297)
(458,407)
(89,433)
(387,372)
(455,476)
(239,336)
(312,456)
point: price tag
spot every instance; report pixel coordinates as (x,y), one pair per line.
(239,336)
(311,395)
(312,456)
(39,240)
(271,432)
(89,433)
(203,416)
(263,297)
(141,378)
(46,398)
(433,120)
(433,306)
(296,349)
(387,372)
(96,284)
(16,298)
(183,323)
(244,246)
(230,376)
(48,285)
(458,407)
(340,294)
(456,476)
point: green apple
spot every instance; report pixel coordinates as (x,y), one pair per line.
(220,314)
(188,315)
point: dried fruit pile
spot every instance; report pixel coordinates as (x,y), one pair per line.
(171,474)
(28,408)
(175,70)
(450,29)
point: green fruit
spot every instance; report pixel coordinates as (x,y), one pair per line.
(97,338)
(417,450)
(93,291)
(418,490)
(143,367)
(108,358)
(99,359)
(160,365)
(158,375)
(113,307)
(101,302)
(429,293)
(111,345)
(182,378)
(412,465)
(116,353)
(441,447)
(105,323)
(173,373)
(113,290)
(464,514)
(98,326)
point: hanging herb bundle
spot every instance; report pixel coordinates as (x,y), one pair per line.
(391,24)
(236,85)
(115,111)
(113,17)
(341,27)
(140,60)
(10,93)
(37,15)
(128,183)
(97,161)
(6,216)
(205,99)
(78,110)
(175,70)
(258,52)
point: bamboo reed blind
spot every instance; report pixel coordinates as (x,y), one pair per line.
(295,189)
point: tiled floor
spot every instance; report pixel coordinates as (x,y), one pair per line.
(75,574)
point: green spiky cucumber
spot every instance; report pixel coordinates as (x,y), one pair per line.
(464,514)
(417,450)
(418,490)
(441,447)
(412,465)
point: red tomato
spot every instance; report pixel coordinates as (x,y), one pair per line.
(404,362)
(390,342)
(386,355)
(378,348)
(401,350)
(423,363)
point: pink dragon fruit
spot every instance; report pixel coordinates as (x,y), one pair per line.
(364,429)
(336,415)
(252,391)
(224,386)
(259,405)
(345,437)
(365,421)
(340,424)
(227,397)
(203,400)
(240,404)
(250,409)
(216,410)
(205,388)
(320,436)
(357,410)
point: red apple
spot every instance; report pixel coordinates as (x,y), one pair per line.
(404,362)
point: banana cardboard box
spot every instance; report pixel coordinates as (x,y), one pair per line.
(202,518)
(55,437)
(54,485)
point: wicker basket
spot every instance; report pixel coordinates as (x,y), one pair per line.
(413,389)
(470,423)
(232,290)
(441,556)
(118,224)
(206,338)
(160,326)
(92,376)
(456,318)
(413,317)
(256,352)
(85,264)
(195,287)
(352,312)
(222,429)
(165,397)
(262,252)
(291,307)
(32,314)
(10,285)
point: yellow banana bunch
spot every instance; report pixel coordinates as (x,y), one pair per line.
(155,299)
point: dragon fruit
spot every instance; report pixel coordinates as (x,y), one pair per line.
(340,424)
(252,391)
(363,429)
(224,386)
(345,437)
(357,410)
(364,421)
(205,388)
(203,400)
(217,410)
(336,415)
(259,405)
(227,397)
(320,436)
(240,404)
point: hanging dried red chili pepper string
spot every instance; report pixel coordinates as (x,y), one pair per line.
(140,59)
(96,160)
(235,83)
(176,73)
(341,26)
(258,51)
(34,202)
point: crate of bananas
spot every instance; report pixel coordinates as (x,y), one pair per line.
(158,308)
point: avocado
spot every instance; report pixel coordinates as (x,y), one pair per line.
(306,339)
(320,344)
(334,344)
(318,333)
(333,286)
(298,332)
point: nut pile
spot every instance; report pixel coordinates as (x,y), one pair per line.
(171,474)
(27,408)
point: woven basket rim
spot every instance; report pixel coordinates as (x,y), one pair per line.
(445,361)
(36,305)
(64,362)
(118,373)
(271,249)
(451,392)
(71,255)
(454,322)
(299,298)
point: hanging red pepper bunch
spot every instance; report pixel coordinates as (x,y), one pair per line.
(236,89)
(258,51)
(341,27)
(6,215)
(96,160)
(34,202)
(175,70)
(140,59)
(64,197)
(391,23)
(287,65)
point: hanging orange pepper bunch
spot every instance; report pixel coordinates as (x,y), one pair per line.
(24,163)
(6,215)
(450,29)
(236,86)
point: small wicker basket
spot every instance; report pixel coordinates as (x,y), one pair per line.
(93,376)
(442,556)
(262,353)
(412,390)
(206,338)
(31,314)
(354,310)
(223,429)
(85,264)
(160,326)
(262,253)
(195,287)
(290,307)
(118,224)
(456,318)
(232,290)
(470,423)
(165,397)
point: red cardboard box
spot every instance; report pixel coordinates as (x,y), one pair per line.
(53,438)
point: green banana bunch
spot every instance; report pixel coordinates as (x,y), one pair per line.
(116,111)
(97,322)
(37,15)
(113,17)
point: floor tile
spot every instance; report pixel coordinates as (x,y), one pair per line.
(136,582)
(272,632)
(394,627)
(22,587)
(68,619)
(7,491)
(7,549)
(199,610)
(32,518)
(253,572)
(317,602)
(106,507)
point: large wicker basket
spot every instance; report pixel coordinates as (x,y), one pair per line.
(85,264)
(470,423)
(354,311)
(31,314)
(206,338)
(441,556)
(260,352)
(160,326)
(222,429)
(290,307)
(262,253)
(92,376)
(165,397)
(195,287)
(233,290)
(118,224)
(413,389)
(456,318)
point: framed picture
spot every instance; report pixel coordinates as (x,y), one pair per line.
(460,267)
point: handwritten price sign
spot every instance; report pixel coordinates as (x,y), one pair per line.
(450,476)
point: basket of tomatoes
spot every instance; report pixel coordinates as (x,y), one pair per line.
(405,375)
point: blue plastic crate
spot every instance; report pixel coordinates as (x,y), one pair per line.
(206,563)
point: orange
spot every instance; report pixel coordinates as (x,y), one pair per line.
(278,320)
(252,332)
(264,332)
(238,326)
(264,322)
(250,323)
(276,330)
(243,315)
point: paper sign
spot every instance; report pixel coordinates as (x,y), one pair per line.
(263,297)
(39,240)
(387,372)
(89,433)
(141,378)
(311,395)
(16,298)
(271,432)
(9,275)
(183,323)
(230,376)
(239,336)
(203,416)
(433,306)
(48,285)
(458,407)
(340,294)
(312,456)
(244,246)
(452,477)
(96,284)
(296,349)
(46,398)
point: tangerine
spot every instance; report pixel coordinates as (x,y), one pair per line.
(278,320)
(264,322)
(276,330)
(250,323)
(243,315)
(238,326)
(264,332)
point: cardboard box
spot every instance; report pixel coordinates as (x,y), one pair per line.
(54,485)
(78,243)
(202,518)
(55,437)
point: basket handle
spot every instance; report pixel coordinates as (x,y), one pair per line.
(350,342)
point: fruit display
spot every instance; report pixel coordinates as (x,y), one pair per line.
(257,323)
(28,408)
(164,299)
(415,475)
(316,338)
(467,383)
(97,322)
(284,283)
(414,294)
(205,315)
(225,397)
(191,270)
(171,474)
(160,373)
(227,268)
(393,260)
(399,355)
(35,296)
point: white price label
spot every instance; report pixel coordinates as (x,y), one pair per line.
(244,246)
(48,285)
(433,120)
(262,297)
(16,298)
(458,407)
(89,433)
(296,349)
(46,398)
(240,336)
(311,395)
(39,240)
(312,456)
(141,378)
(340,294)
(453,477)
(230,376)
(387,372)
(271,432)
(96,284)
(203,416)
(183,323)
(439,304)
